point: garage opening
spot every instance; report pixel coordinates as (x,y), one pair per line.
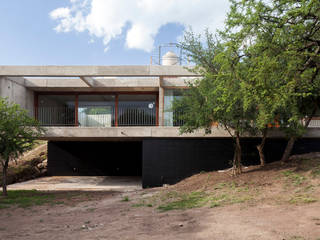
(118,158)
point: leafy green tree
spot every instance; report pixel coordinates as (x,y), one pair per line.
(217,97)
(280,41)
(18,132)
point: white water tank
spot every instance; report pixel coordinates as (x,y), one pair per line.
(170,58)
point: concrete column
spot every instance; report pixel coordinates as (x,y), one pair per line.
(161,102)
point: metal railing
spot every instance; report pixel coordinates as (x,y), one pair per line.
(97,116)
(136,116)
(56,116)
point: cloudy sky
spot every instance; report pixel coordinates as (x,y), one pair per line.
(98,32)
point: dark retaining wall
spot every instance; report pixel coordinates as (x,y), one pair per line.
(167,161)
(160,161)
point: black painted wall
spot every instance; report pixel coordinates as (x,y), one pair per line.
(95,158)
(167,161)
(160,161)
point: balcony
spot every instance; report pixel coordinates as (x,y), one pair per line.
(123,110)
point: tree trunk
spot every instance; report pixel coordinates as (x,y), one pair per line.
(4,179)
(288,150)
(236,168)
(290,144)
(261,146)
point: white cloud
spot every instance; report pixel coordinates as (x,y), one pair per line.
(107,19)
(60,13)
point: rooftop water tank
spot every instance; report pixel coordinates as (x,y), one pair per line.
(170,58)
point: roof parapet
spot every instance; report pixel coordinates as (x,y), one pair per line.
(97,71)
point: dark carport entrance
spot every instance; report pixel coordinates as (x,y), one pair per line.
(114,158)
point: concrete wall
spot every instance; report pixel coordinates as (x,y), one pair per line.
(15,91)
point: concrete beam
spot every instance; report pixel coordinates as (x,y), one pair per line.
(95,71)
(88,80)
(123,133)
(17,80)
(177,82)
(99,84)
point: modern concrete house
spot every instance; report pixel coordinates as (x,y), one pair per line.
(117,120)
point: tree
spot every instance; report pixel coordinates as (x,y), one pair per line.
(281,41)
(217,96)
(18,132)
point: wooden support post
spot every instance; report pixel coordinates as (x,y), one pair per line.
(116,110)
(161,103)
(76,110)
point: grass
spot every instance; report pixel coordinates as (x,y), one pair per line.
(125,199)
(295,178)
(298,199)
(186,201)
(316,172)
(138,205)
(142,203)
(300,187)
(25,198)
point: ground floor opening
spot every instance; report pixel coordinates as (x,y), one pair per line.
(118,158)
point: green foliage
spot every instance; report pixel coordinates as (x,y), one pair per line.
(263,68)
(18,133)
(280,43)
(217,96)
(97,110)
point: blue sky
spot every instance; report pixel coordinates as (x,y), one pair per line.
(50,32)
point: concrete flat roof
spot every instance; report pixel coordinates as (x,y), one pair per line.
(97,71)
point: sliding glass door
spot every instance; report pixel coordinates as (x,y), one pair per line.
(97,110)
(137,110)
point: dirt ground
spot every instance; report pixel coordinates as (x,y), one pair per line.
(107,217)
(281,202)
(84,183)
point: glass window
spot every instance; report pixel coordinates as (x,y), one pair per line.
(137,110)
(56,110)
(96,110)
(171,117)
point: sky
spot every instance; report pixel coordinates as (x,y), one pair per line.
(99,32)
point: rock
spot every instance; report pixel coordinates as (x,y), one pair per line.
(42,165)
(39,165)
